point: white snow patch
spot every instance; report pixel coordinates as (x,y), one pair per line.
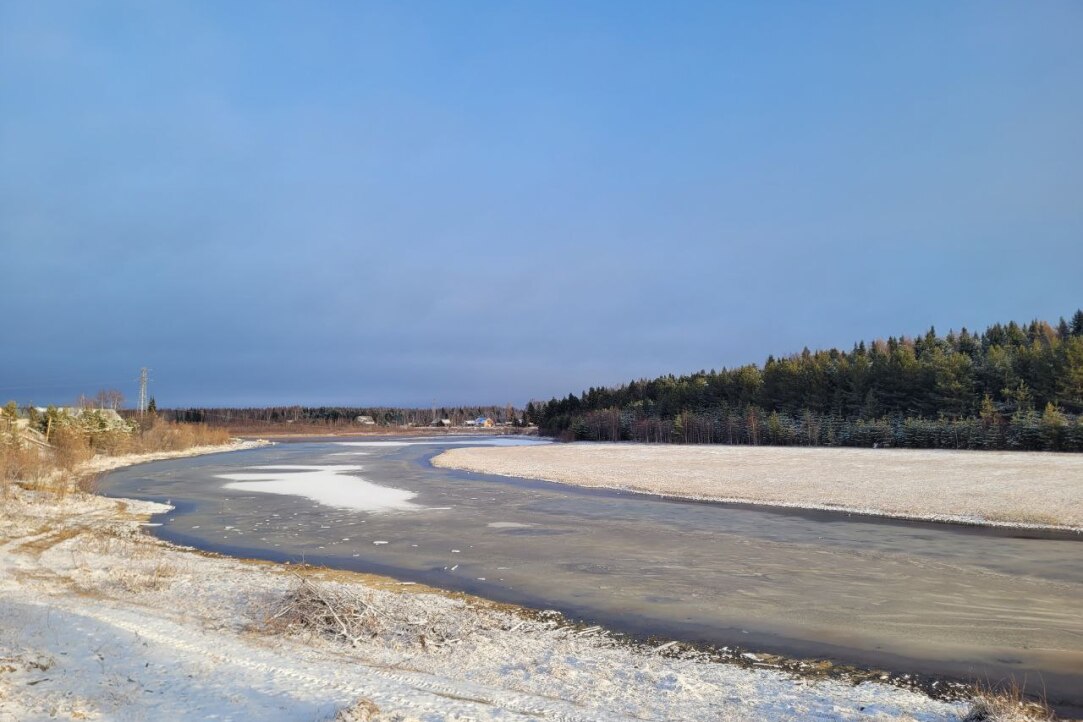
(333,486)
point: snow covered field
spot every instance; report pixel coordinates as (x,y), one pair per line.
(101,621)
(989,487)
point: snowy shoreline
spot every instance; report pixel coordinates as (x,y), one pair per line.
(100,620)
(944,488)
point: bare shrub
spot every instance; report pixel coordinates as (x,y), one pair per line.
(355,615)
(113,442)
(328,612)
(20,461)
(71,446)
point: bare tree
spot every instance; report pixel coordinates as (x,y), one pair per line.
(109,399)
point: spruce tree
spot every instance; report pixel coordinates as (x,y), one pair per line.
(1077,323)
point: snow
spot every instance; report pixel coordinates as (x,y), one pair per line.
(334,486)
(1007,488)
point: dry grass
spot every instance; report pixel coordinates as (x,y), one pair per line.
(53,469)
(19,461)
(1006,704)
(71,447)
(134,580)
(170,436)
(144,568)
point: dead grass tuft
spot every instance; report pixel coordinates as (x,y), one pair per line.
(89,482)
(363,710)
(135,579)
(1006,704)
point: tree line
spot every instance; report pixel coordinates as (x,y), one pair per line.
(1013,386)
(333,417)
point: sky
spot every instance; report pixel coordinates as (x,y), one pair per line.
(393,203)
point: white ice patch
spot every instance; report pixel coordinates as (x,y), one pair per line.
(333,486)
(508,525)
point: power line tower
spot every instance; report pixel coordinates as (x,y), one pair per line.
(142,391)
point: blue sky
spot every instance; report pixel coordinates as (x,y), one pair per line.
(386,203)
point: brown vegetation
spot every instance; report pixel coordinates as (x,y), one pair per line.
(172,436)
(47,467)
(20,461)
(1006,704)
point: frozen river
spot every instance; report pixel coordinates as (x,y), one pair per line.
(919,598)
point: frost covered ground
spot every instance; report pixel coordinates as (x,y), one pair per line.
(1031,489)
(101,621)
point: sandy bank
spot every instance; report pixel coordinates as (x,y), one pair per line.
(1010,488)
(100,621)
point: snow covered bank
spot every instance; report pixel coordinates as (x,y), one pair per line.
(1004,488)
(100,621)
(101,464)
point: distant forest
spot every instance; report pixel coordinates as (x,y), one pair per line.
(333,418)
(1015,386)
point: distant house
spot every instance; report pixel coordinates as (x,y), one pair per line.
(441,422)
(366,420)
(482,421)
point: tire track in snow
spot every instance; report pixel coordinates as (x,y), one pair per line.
(399,695)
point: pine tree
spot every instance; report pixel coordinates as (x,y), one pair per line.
(1077,323)
(1053,427)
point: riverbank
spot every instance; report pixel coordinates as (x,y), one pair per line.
(997,488)
(99,620)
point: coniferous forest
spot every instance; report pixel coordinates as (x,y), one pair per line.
(1015,386)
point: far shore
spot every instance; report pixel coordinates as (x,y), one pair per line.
(309,432)
(1036,490)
